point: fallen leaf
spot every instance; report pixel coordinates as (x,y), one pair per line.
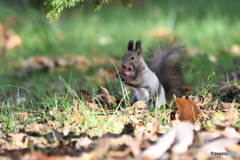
(214,104)
(82,142)
(12,40)
(120,154)
(200,100)
(187,89)
(232,116)
(104,98)
(138,108)
(226,106)
(140,105)
(187,110)
(40,156)
(91,105)
(231,86)
(80,62)
(38,63)
(38,127)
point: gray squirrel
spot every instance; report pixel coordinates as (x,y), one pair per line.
(156,82)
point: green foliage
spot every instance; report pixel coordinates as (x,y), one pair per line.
(55,7)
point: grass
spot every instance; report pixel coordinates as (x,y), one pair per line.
(208,28)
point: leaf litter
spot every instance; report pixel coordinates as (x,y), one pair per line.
(200,124)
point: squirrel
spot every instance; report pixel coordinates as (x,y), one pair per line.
(157,80)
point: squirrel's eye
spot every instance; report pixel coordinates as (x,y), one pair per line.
(132,58)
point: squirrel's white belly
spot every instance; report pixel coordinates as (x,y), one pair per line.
(141,94)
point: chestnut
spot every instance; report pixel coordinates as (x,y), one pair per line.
(125,73)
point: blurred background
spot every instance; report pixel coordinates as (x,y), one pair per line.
(84,46)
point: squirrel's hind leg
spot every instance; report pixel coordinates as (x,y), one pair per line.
(134,98)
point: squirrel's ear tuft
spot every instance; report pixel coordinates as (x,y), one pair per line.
(130,45)
(139,48)
(138,45)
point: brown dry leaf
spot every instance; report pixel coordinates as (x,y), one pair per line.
(40,156)
(120,154)
(232,116)
(227,106)
(5,145)
(38,62)
(147,133)
(101,148)
(80,62)
(104,98)
(187,110)
(158,33)
(77,61)
(140,105)
(76,117)
(82,106)
(201,100)
(82,142)
(187,89)
(214,104)
(2,30)
(37,127)
(138,108)
(38,141)
(105,144)
(231,86)
(20,116)
(20,140)
(153,128)
(8,39)
(91,105)
(13,40)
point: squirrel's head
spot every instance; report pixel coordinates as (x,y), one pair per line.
(133,58)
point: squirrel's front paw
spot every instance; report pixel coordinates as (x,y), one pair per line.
(123,75)
(124,78)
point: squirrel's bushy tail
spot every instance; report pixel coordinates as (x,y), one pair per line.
(165,60)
